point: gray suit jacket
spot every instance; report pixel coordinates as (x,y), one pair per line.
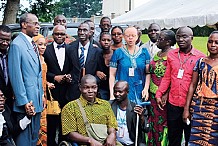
(25,74)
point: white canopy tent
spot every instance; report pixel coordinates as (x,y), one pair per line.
(172,13)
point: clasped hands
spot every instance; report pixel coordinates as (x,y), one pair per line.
(63,78)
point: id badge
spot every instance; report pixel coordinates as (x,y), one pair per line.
(180,73)
(121,132)
(131,72)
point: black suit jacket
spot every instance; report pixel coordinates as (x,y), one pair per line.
(53,69)
(131,118)
(93,60)
(11,127)
(6,89)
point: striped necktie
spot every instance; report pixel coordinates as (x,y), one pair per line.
(35,48)
(81,57)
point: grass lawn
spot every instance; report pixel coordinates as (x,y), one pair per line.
(199,43)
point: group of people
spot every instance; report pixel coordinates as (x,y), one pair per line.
(110,76)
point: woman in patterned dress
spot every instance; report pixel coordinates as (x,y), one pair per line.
(202,98)
(157,135)
(41,44)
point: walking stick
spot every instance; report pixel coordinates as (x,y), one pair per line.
(137,120)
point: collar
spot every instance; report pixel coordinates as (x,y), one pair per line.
(86,46)
(84,102)
(192,52)
(55,44)
(156,58)
(28,37)
(152,44)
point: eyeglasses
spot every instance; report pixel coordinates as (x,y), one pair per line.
(4,41)
(61,34)
(161,39)
(34,23)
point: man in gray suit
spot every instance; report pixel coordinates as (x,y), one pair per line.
(26,78)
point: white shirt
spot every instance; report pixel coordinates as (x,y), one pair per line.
(85,50)
(122,128)
(151,47)
(60,54)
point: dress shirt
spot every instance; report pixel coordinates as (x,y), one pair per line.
(85,50)
(2,121)
(28,38)
(60,54)
(178,87)
(151,47)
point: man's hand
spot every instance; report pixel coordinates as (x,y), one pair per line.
(93,142)
(160,103)
(59,79)
(67,78)
(110,140)
(186,115)
(30,109)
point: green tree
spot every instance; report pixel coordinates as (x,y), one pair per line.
(81,8)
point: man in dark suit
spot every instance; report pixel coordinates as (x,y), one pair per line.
(9,126)
(57,73)
(26,78)
(5,85)
(84,59)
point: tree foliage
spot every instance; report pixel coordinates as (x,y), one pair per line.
(81,8)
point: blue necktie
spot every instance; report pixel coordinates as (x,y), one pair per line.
(81,57)
(4,67)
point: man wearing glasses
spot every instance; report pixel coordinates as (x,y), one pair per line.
(26,78)
(58,73)
(5,85)
(177,78)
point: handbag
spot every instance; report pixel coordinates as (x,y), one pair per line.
(53,107)
(96,131)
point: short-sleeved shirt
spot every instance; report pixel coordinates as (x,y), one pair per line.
(99,112)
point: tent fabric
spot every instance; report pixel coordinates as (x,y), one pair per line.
(172,13)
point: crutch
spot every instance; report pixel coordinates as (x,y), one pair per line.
(137,119)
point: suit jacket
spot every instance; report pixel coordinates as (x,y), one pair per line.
(11,127)
(25,74)
(130,120)
(93,59)
(53,69)
(6,89)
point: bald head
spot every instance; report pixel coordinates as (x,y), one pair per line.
(122,85)
(86,78)
(185,30)
(59,34)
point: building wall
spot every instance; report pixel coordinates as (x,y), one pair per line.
(117,7)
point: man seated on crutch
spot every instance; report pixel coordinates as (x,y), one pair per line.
(126,114)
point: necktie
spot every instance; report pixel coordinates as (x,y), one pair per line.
(4,67)
(61,46)
(81,57)
(35,48)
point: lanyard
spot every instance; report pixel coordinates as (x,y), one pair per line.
(180,61)
(131,57)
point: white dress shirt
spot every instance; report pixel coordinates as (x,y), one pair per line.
(60,54)
(85,50)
